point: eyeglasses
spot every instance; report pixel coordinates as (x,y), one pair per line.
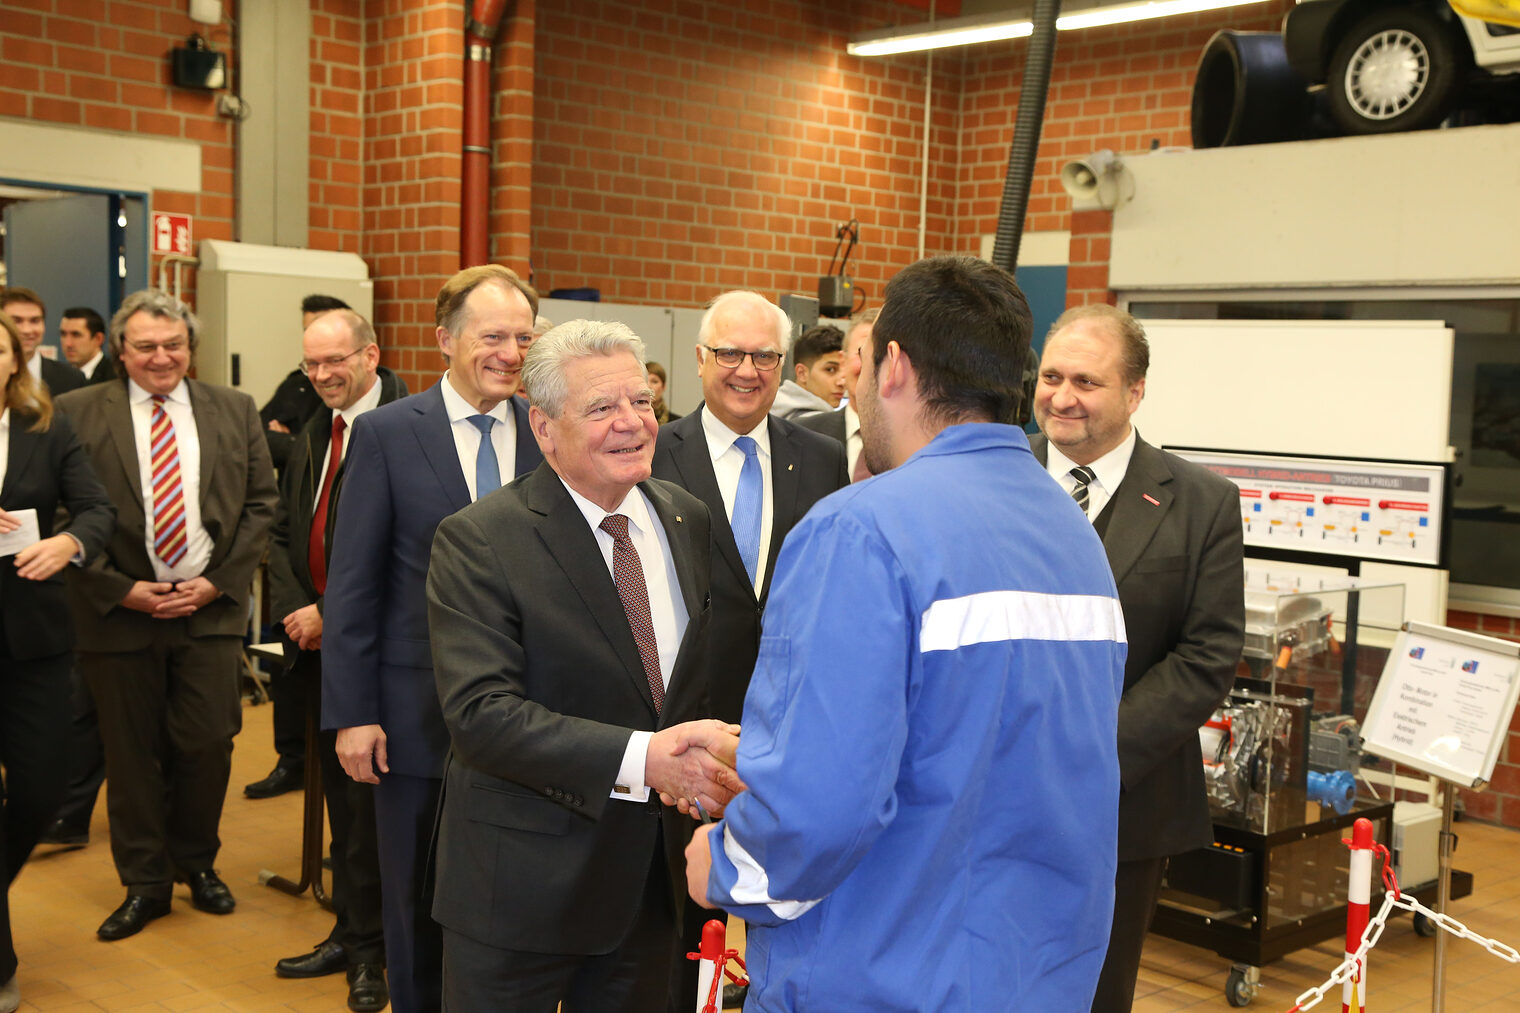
(150,347)
(308,367)
(730,358)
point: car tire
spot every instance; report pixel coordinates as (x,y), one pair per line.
(1396,69)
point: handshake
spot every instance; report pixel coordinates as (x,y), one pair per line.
(691,765)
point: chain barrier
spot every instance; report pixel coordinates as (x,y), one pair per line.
(1392,900)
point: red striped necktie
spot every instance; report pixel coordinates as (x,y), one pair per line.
(169,536)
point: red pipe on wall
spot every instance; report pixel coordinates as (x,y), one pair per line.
(475,173)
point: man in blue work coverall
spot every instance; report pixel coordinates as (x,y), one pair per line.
(931,812)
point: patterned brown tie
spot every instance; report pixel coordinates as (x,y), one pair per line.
(628,575)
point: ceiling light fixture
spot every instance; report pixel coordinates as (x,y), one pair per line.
(970,30)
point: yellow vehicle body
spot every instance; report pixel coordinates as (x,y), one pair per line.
(1505,12)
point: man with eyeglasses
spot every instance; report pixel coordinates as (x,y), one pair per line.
(165,606)
(411,464)
(758,475)
(342,361)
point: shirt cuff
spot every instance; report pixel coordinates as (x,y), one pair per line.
(630,786)
(77,558)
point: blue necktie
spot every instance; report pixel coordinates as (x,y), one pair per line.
(487,471)
(746,520)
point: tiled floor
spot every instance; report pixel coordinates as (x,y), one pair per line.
(194,961)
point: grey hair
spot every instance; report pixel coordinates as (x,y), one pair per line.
(157,303)
(543,371)
(729,301)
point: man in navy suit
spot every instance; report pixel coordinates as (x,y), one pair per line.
(411,464)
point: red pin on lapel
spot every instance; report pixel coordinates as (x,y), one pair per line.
(1149,499)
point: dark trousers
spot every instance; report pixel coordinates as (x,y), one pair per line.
(1136,888)
(351,823)
(34,722)
(86,760)
(634,978)
(406,809)
(292,694)
(167,717)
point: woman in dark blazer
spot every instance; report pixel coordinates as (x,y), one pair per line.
(42,467)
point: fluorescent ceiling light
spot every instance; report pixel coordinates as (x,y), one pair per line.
(967,31)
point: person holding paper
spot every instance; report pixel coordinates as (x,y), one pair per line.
(42,465)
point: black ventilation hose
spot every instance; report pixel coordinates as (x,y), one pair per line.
(1026,134)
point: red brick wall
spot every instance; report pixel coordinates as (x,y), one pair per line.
(337,125)
(413,70)
(680,150)
(105,65)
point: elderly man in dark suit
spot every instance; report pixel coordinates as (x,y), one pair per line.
(569,614)
(751,469)
(1172,534)
(342,360)
(411,464)
(30,314)
(166,603)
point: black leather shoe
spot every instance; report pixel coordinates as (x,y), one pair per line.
(326,958)
(62,833)
(280,780)
(367,992)
(129,919)
(733,995)
(208,893)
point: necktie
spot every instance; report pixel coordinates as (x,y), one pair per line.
(169,538)
(487,470)
(1085,476)
(628,575)
(316,547)
(746,519)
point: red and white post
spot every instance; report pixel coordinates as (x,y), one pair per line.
(709,977)
(1358,902)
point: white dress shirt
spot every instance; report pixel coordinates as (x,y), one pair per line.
(5,444)
(467,437)
(854,443)
(667,609)
(88,369)
(1110,469)
(34,367)
(727,462)
(187,440)
(370,399)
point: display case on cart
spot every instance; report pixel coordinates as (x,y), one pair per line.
(1284,769)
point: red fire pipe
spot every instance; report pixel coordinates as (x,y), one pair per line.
(475,175)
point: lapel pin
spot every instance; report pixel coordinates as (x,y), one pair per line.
(789,467)
(1150,499)
(678,518)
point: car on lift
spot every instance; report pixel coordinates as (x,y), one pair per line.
(1390,65)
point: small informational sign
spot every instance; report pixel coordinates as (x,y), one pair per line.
(1444,703)
(171,233)
(1389,511)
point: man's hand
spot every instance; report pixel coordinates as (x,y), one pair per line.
(186,598)
(147,595)
(699,866)
(361,750)
(41,560)
(304,626)
(276,426)
(694,761)
(8,523)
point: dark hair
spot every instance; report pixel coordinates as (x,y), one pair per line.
(322,304)
(92,320)
(15,293)
(449,309)
(965,326)
(816,342)
(1137,350)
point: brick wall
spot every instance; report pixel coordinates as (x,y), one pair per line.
(337,125)
(683,149)
(103,64)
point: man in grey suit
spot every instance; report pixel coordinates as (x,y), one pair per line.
(1173,537)
(568,615)
(166,604)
